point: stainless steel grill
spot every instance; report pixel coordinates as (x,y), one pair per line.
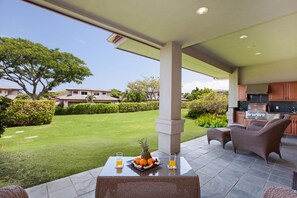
(256,111)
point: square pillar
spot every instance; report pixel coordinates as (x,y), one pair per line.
(169,124)
(233,96)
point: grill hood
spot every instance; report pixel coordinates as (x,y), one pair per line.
(257,89)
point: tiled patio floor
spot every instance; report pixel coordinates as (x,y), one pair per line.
(222,173)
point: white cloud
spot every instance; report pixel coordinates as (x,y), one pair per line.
(214,85)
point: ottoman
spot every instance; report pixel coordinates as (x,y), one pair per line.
(220,134)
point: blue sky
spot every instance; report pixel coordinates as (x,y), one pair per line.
(111,68)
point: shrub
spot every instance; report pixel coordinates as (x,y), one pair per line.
(29,112)
(87,108)
(107,108)
(61,110)
(138,106)
(212,120)
(4,103)
(213,103)
(125,107)
(185,104)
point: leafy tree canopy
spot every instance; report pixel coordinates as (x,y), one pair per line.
(142,90)
(197,93)
(116,93)
(38,69)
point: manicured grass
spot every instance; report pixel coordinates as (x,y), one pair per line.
(76,143)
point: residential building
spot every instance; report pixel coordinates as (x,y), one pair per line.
(9,92)
(76,96)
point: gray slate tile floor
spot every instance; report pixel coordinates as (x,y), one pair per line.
(222,173)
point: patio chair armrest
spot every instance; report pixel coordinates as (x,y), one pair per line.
(13,192)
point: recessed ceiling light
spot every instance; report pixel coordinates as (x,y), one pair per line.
(243,36)
(258,53)
(202,10)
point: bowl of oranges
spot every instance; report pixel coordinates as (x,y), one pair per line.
(143,164)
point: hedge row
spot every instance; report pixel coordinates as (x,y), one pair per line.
(29,112)
(138,106)
(87,108)
(100,108)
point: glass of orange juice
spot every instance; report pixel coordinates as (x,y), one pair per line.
(119,159)
(172,161)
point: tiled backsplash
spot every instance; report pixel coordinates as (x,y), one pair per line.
(283,107)
(273,106)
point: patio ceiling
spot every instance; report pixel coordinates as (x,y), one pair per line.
(211,43)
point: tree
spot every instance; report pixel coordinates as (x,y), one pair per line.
(35,67)
(53,94)
(197,93)
(116,93)
(90,98)
(143,90)
(151,86)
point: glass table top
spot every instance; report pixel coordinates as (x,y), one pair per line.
(183,168)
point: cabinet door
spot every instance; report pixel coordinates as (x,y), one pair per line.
(242,93)
(239,117)
(292,91)
(294,126)
(277,92)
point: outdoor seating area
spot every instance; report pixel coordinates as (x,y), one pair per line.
(261,138)
(222,173)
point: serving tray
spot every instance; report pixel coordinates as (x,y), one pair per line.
(144,168)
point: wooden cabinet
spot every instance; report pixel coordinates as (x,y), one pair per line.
(292,128)
(240,117)
(277,91)
(292,91)
(242,96)
(286,91)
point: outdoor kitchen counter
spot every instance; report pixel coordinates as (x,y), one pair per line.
(156,182)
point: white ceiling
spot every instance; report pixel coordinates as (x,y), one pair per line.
(271,27)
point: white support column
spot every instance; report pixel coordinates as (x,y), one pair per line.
(169,124)
(233,95)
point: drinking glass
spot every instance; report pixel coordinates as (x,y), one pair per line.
(172,161)
(119,159)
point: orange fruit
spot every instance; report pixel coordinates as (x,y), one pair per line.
(143,162)
(137,160)
(150,161)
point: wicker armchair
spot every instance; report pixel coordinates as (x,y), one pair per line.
(262,142)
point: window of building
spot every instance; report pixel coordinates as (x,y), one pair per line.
(103,93)
(75,92)
(96,93)
(84,93)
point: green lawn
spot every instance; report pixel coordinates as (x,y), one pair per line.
(75,143)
